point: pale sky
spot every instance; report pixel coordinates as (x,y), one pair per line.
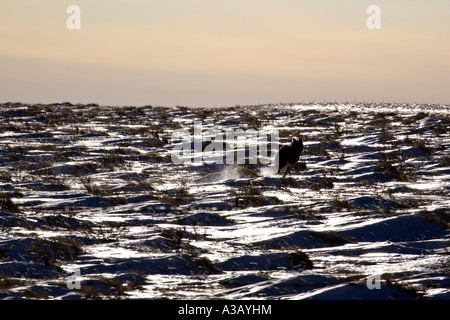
(224,52)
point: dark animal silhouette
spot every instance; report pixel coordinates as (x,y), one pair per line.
(288,156)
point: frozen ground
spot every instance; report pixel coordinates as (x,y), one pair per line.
(92,192)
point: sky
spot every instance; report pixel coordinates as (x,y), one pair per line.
(217,53)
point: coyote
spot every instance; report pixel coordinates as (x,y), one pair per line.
(288,156)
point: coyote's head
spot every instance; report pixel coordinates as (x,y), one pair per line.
(298,144)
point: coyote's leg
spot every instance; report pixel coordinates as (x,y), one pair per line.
(288,170)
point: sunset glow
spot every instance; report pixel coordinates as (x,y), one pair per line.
(218,53)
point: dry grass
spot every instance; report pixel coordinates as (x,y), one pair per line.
(440,216)
(302,212)
(204,264)
(174,235)
(54,250)
(445,160)
(419,143)
(6,204)
(300,258)
(394,165)
(7,283)
(246,195)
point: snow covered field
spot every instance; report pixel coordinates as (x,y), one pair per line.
(92,205)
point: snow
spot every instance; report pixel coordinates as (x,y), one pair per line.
(94,189)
